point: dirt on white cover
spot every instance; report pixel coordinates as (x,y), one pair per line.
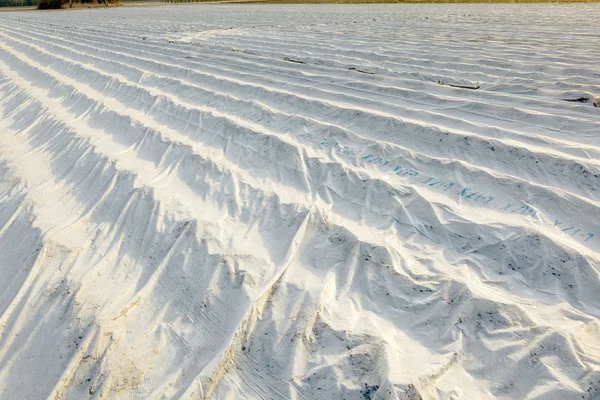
(303,202)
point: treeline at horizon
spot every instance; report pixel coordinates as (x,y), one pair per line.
(17,3)
(56,4)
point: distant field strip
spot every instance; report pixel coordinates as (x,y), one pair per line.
(292,202)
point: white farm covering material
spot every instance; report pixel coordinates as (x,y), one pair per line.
(266,202)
